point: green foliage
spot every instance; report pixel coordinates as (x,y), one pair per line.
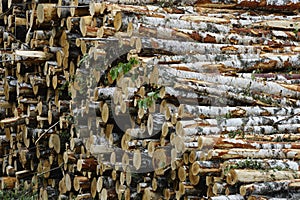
(256,71)
(296,30)
(233,134)
(266,100)
(288,69)
(254,164)
(279,139)
(244,164)
(247,90)
(81,82)
(228,115)
(72,78)
(82,85)
(167,3)
(64,87)
(71,119)
(18,195)
(65,135)
(83,59)
(250,164)
(149,100)
(122,68)
(252,77)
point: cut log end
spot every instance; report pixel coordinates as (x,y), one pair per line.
(54,142)
(118,21)
(137,159)
(94,187)
(105,112)
(150,124)
(40,13)
(68,182)
(80,182)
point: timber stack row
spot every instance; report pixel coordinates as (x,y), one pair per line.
(142,99)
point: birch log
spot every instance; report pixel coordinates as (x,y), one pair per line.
(264,87)
(229,197)
(248,176)
(267,187)
(214,111)
(203,167)
(264,132)
(236,122)
(177,47)
(224,143)
(253,153)
(263,164)
(268,4)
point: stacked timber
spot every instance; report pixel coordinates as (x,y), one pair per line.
(149,99)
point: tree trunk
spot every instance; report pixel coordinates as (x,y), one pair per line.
(205,167)
(248,176)
(267,164)
(224,143)
(267,187)
(229,197)
(237,122)
(247,4)
(253,153)
(187,111)
(46,13)
(267,87)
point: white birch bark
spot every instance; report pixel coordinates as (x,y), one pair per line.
(191,58)
(265,164)
(252,85)
(228,197)
(267,187)
(254,153)
(240,122)
(278,77)
(179,47)
(234,38)
(248,176)
(287,137)
(227,143)
(241,62)
(185,110)
(285,5)
(182,24)
(151,2)
(265,133)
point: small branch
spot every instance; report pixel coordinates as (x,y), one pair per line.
(40,174)
(46,132)
(287,118)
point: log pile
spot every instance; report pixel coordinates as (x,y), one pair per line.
(150,99)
